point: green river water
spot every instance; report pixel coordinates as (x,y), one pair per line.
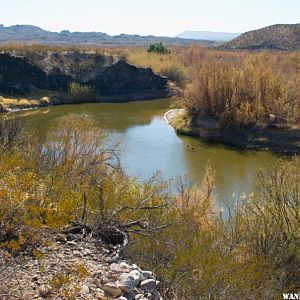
(149,144)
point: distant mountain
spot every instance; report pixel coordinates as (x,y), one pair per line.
(279,37)
(29,33)
(208,35)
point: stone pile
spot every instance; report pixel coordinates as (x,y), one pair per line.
(78,269)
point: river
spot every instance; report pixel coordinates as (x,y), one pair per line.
(148,144)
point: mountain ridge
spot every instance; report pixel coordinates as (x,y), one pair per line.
(209,35)
(31,33)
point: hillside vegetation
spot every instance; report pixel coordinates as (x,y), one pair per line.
(247,89)
(278,37)
(73,175)
(239,89)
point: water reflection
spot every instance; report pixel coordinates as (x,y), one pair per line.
(148,144)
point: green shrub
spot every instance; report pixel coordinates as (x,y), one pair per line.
(81,91)
(251,254)
(197,254)
(158,48)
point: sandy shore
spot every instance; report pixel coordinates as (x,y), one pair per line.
(171,114)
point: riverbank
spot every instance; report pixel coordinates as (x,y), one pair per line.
(8,104)
(278,138)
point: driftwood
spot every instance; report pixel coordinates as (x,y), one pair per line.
(107,233)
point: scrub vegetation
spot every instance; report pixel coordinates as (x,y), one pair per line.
(240,89)
(249,251)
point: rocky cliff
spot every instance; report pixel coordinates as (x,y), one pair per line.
(17,75)
(107,75)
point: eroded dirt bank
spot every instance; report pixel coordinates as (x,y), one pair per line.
(278,138)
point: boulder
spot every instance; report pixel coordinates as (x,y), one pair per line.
(148,285)
(129,281)
(146,274)
(112,290)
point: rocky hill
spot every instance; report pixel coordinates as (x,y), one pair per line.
(277,37)
(106,75)
(29,33)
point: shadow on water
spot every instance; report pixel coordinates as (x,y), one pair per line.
(149,144)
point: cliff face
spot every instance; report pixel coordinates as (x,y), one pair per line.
(55,71)
(122,78)
(17,74)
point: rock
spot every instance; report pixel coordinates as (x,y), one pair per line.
(112,290)
(85,289)
(146,274)
(97,274)
(112,276)
(156,296)
(115,267)
(108,76)
(44,101)
(61,238)
(135,267)
(129,281)
(124,287)
(77,253)
(148,285)
(104,280)
(124,267)
(97,283)
(272,117)
(136,276)
(86,252)
(35,278)
(122,77)
(130,296)
(44,290)
(71,243)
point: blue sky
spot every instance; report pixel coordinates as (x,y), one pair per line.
(159,17)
